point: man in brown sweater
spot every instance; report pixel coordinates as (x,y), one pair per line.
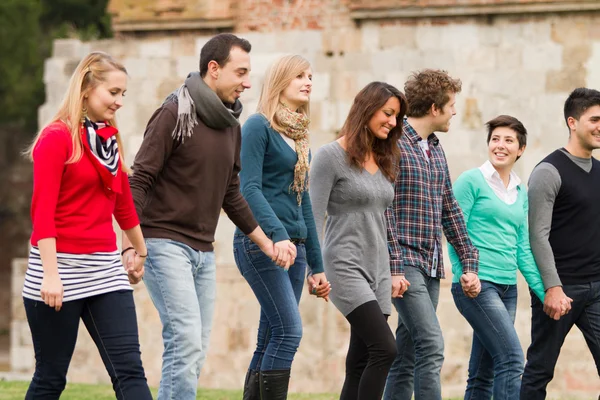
(185,171)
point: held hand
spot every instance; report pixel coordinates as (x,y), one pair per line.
(52,291)
(134,265)
(284,253)
(399,285)
(128,260)
(471,284)
(556,303)
(319,286)
(136,273)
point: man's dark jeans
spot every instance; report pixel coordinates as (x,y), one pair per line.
(548,335)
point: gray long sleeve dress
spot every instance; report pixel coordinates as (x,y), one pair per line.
(354,245)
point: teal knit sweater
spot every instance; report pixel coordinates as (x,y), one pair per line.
(267,174)
(498,230)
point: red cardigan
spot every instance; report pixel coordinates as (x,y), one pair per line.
(69,202)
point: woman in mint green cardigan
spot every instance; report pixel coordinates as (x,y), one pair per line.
(494,203)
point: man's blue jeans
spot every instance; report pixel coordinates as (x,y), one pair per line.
(496,363)
(419,341)
(278,292)
(181,283)
(548,335)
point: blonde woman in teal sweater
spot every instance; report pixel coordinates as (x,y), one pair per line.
(494,203)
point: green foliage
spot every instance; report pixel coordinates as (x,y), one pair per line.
(27,29)
(21,88)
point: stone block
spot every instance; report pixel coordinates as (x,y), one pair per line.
(458,36)
(370,37)
(299,42)
(428,37)
(569,30)
(261,42)
(593,72)
(542,57)
(118,48)
(321,87)
(383,60)
(262,61)
(45,113)
(565,80)
(441,59)
(22,359)
(398,37)
(509,58)
(185,65)
(156,48)
(137,68)
(67,48)
(54,70)
(200,42)
(185,46)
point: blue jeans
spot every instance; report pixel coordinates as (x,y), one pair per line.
(181,283)
(419,341)
(110,320)
(278,292)
(548,335)
(496,363)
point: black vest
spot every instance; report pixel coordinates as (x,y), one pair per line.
(575,232)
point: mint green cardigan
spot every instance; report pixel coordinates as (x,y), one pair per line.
(498,230)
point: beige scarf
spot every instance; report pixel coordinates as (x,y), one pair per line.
(295,127)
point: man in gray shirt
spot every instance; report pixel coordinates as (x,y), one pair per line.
(564,229)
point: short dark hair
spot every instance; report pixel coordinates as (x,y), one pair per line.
(218,49)
(579,101)
(427,87)
(506,121)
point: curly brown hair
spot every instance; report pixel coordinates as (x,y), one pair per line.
(427,87)
(360,141)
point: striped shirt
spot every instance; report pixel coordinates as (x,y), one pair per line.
(82,275)
(423,206)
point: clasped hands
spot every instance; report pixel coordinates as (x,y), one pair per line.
(134,265)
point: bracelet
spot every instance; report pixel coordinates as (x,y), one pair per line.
(141,256)
(126,250)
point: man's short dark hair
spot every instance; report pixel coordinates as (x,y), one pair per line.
(427,87)
(507,121)
(218,49)
(579,101)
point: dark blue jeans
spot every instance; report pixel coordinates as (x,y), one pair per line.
(548,335)
(419,341)
(111,322)
(496,363)
(278,292)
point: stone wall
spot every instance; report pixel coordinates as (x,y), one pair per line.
(524,67)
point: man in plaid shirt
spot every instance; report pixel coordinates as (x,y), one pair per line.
(424,205)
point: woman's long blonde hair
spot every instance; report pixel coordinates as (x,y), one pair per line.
(90,72)
(277,78)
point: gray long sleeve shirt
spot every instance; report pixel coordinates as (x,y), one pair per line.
(544,184)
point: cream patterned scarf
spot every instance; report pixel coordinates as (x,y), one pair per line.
(295,127)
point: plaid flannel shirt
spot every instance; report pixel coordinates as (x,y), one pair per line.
(424,204)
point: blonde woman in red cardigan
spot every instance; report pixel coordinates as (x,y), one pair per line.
(75,270)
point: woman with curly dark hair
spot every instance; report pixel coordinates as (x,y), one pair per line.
(352,180)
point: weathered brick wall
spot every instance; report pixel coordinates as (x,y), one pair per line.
(524,67)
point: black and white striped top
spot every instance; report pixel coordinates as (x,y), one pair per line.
(82,275)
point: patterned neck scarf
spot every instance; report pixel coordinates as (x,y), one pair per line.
(295,127)
(100,143)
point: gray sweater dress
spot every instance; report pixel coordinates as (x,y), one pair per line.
(354,245)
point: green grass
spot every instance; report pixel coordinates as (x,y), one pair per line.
(16,391)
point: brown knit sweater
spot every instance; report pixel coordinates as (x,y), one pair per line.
(179,188)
